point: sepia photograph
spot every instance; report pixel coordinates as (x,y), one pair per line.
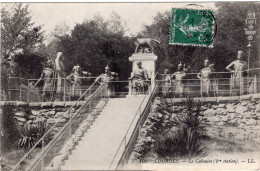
(130,86)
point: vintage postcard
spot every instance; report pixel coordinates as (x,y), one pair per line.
(130,86)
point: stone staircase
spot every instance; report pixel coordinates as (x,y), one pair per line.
(100,143)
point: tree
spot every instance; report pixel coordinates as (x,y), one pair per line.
(94,44)
(18,32)
(230,37)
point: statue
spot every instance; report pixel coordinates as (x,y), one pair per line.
(76,78)
(47,76)
(237,77)
(143,42)
(59,72)
(205,75)
(178,76)
(140,78)
(167,81)
(5,82)
(108,77)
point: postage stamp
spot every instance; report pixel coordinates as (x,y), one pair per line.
(192,27)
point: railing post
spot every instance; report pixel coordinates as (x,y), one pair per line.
(70,131)
(28,91)
(20,93)
(42,160)
(64,92)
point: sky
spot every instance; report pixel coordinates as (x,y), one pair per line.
(135,14)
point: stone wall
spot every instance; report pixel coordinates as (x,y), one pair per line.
(232,120)
(31,115)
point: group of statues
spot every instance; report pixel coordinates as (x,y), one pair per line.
(54,73)
(208,84)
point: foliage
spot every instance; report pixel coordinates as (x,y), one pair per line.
(95,44)
(9,124)
(230,37)
(185,138)
(18,32)
(31,133)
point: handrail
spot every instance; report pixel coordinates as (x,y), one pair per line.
(51,128)
(124,139)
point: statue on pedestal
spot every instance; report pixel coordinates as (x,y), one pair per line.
(207,81)
(76,78)
(140,78)
(48,88)
(108,77)
(237,77)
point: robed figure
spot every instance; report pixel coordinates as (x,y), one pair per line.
(237,77)
(139,78)
(178,77)
(167,83)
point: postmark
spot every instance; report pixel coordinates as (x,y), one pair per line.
(194,27)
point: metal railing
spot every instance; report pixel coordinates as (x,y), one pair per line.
(51,142)
(218,85)
(128,142)
(21,89)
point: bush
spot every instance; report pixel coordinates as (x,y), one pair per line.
(30,134)
(185,139)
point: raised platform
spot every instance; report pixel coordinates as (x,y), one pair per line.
(252,97)
(42,104)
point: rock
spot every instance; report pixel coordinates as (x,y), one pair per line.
(221,105)
(62,120)
(52,112)
(244,103)
(230,108)
(210,112)
(241,109)
(36,112)
(225,118)
(20,113)
(50,121)
(221,111)
(257,108)
(232,116)
(220,123)
(59,114)
(250,122)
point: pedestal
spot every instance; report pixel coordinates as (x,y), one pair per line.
(148,62)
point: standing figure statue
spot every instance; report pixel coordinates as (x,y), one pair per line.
(179,76)
(76,78)
(237,77)
(166,84)
(47,77)
(206,79)
(59,74)
(108,77)
(140,78)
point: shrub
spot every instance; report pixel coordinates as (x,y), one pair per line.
(185,138)
(30,134)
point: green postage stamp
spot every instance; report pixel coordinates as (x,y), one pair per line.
(192,27)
